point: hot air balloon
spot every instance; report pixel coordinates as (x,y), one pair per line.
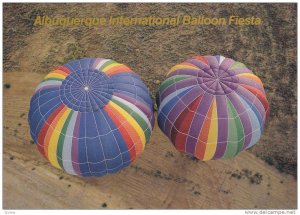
(91,117)
(212,107)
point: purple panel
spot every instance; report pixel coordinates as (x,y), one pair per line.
(251,83)
(201,65)
(136,103)
(197,122)
(177,86)
(212,61)
(179,108)
(191,72)
(241,70)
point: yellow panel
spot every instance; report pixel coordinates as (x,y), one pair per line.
(252,77)
(110,66)
(52,148)
(55,75)
(211,144)
(181,66)
(132,122)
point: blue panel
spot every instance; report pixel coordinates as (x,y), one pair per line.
(33,105)
(82,150)
(167,108)
(101,121)
(126,74)
(126,157)
(75,67)
(94,150)
(47,107)
(110,146)
(218,58)
(129,80)
(113,143)
(161,119)
(92,61)
(135,94)
(69,67)
(41,108)
(117,168)
(116,162)
(85,63)
(99,174)
(258,116)
(74,64)
(84,169)
(98,168)
(125,83)
(122,145)
(48,95)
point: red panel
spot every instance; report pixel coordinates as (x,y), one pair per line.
(123,132)
(44,129)
(182,124)
(201,58)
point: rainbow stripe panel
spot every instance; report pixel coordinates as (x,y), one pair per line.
(91,117)
(212,107)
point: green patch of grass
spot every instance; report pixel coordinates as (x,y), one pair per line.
(256,178)
(269,161)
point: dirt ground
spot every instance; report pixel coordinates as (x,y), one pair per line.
(160,178)
(269,50)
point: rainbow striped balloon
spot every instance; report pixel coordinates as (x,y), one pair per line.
(91,117)
(212,107)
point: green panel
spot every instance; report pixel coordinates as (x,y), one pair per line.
(237,65)
(54,79)
(235,132)
(240,134)
(107,64)
(171,81)
(62,139)
(137,117)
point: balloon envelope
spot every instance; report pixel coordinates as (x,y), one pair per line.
(91,117)
(212,107)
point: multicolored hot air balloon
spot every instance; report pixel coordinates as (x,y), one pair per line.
(91,117)
(212,107)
